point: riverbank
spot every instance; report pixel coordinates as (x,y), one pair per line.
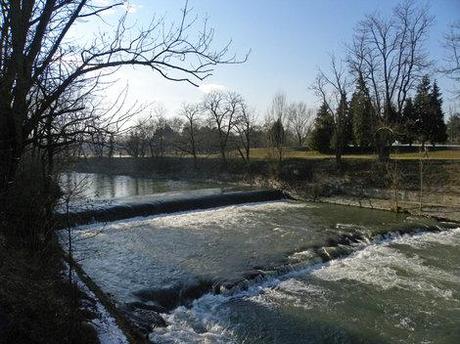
(366,184)
(37,302)
(394,185)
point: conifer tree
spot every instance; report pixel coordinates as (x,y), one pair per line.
(323,130)
(362,115)
(438,128)
(423,110)
(430,125)
(409,123)
(343,127)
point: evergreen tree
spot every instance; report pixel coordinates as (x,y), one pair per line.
(438,129)
(343,126)
(277,138)
(362,115)
(423,110)
(323,130)
(428,110)
(454,128)
(409,123)
(342,129)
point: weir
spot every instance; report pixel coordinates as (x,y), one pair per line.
(338,247)
(169,275)
(159,302)
(146,207)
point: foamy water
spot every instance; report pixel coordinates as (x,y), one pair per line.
(383,292)
(400,289)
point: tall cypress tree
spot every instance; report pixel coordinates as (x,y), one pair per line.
(323,130)
(438,130)
(362,115)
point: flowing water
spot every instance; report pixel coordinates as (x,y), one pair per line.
(282,272)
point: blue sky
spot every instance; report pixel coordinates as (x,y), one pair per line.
(289,40)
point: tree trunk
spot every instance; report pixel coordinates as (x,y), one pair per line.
(338,158)
(12,156)
(383,151)
(383,141)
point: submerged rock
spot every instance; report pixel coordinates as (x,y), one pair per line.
(132,306)
(171,297)
(143,316)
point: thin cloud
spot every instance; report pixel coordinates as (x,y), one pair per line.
(131,8)
(208,88)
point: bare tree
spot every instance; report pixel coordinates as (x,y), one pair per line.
(244,127)
(299,120)
(389,54)
(35,44)
(276,123)
(222,109)
(137,142)
(191,113)
(332,89)
(279,108)
(451,66)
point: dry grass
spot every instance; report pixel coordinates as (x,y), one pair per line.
(263,153)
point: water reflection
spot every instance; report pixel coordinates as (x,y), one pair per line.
(103,186)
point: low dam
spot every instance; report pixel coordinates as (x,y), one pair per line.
(255,267)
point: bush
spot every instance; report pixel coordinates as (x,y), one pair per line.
(37,303)
(26,216)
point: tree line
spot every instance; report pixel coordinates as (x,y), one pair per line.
(385,70)
(421,120)
(222,124)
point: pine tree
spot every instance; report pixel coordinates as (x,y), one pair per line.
(343,127)
(438,130)
(423,110)
(362,115)
(323,130)
(428,109)
(409,123)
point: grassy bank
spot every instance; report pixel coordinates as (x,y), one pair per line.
(409,154)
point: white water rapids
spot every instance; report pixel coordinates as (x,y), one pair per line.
(404,289)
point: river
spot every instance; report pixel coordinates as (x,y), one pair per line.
(282,272)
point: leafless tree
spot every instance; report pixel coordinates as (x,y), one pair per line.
(244,127)
(451,67)
(191,113)
(279,108)
(299,120)
(332,89)
(389,53)
(136,143)
(158,132)
(222,109)
(36,51)
(276,123)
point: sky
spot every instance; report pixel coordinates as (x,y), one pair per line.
(288,39)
